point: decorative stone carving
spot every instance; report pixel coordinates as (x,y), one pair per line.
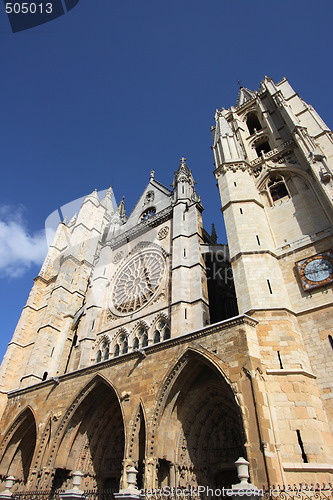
(163,233)
(150,196)
(117,258)
(138,281)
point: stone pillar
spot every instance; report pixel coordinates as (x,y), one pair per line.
(150,480)
(6,495)
(173,475)
(75,493)
(131,492)
(244,488)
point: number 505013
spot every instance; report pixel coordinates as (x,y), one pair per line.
(28,8)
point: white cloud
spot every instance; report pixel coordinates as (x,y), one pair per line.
(19,250)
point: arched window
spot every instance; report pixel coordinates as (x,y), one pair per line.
(277,187)
(103,352)
(116,350)
(166,335)
(141,338)
(157,337)
(262,147)
(124,349)
(162,331)
(136,344)
(253,123)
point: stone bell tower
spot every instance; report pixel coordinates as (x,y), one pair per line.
(274,167)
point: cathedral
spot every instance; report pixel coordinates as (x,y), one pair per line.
(146,343)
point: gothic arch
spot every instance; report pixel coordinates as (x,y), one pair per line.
(91,437)
(299,193)
(281,170)
(197,428)
(140,325)
(104,338)
(160,317)
(252,121)
(96,397)
(101,348)
(119,339)
(18,447)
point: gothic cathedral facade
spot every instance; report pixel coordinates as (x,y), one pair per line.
(146,343)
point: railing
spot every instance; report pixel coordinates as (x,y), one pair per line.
(290,492)
(99,494)
(36,495)
(300,492)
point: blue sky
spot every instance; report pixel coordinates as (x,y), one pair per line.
(115,88)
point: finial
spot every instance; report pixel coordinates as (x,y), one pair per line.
(240,84)
(152,174)
(182,160)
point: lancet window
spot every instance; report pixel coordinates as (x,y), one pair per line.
(161,332)
(253,123)
(103,352)
(277,188)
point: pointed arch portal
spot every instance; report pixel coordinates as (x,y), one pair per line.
(18,454)
(94,440)
(201,433)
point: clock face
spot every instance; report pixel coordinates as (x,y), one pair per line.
(137,282)
(316,271)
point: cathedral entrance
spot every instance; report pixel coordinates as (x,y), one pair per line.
(18,448)
(201,433)
(94,439)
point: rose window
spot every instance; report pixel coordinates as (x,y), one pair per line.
(138,281)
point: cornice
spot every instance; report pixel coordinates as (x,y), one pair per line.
(72,292)
(39,277)
(166,344)
(253,252)
(90,229)
(140,228)
(231,166)
(48,325)
(17,344)
(36,309)
(290,371)
(245,200)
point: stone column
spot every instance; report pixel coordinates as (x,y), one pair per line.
(150,473)
(244,488)
(6,495)
(75,493)
(173,475)
(131,492)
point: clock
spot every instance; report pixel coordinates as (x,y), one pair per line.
(137,282)
(316,271)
